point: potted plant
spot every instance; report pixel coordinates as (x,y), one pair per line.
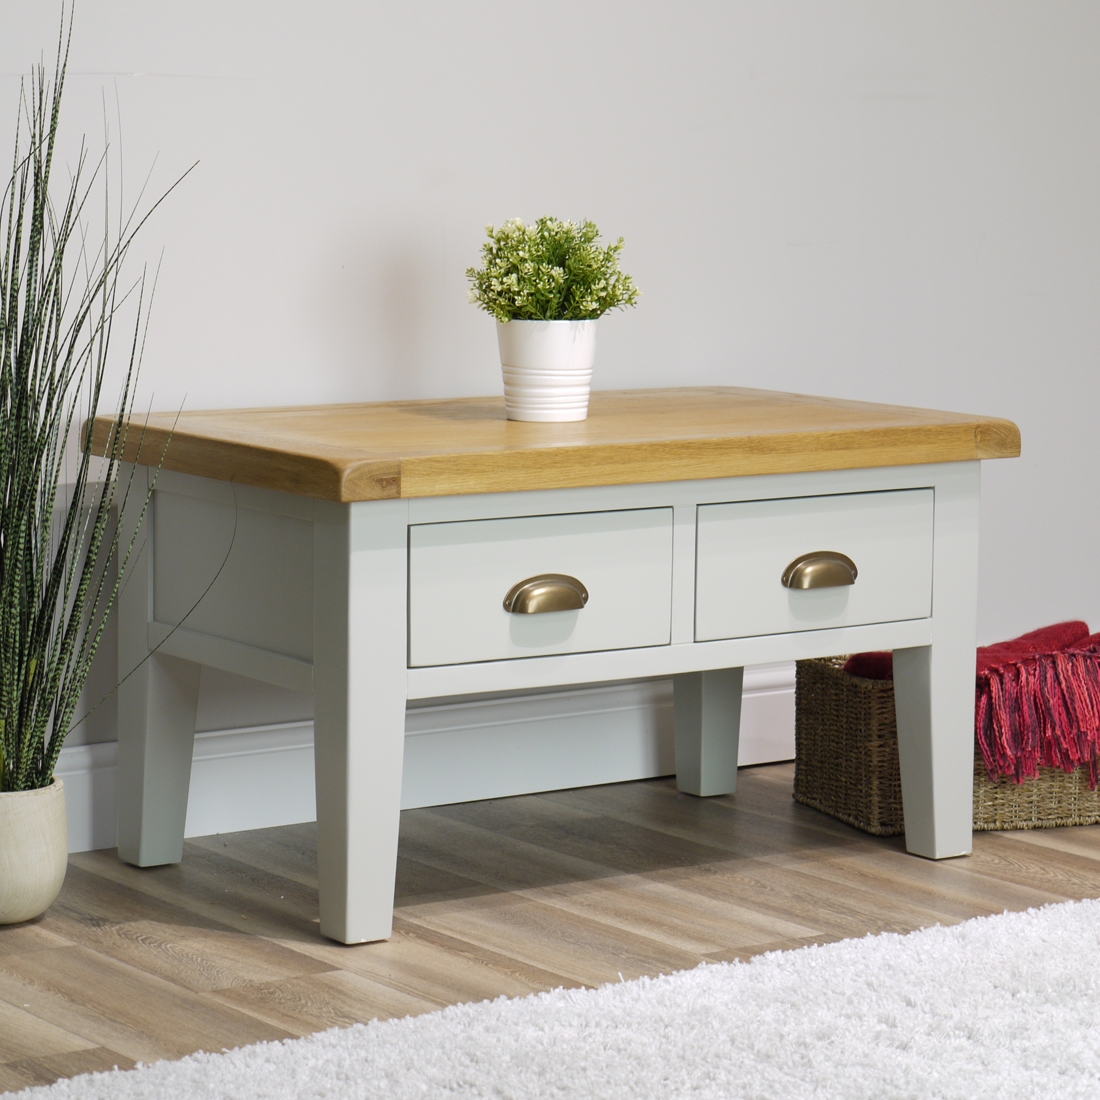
(59,298)
(547,284)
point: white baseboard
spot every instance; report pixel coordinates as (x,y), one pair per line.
(91,796)
(262,776)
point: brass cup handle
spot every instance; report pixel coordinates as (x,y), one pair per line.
(820,569)
(546,592)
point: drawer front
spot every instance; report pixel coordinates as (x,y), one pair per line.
(742,550)
(459,574)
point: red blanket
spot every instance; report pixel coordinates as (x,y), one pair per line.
(1038,700)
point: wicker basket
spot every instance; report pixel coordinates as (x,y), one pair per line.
(846,762)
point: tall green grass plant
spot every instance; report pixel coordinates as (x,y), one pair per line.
(61,296)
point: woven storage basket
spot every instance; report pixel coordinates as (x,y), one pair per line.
(846,762)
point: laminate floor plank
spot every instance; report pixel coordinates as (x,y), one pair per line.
(420,881)
(424,963)
(948,890)
(651,907)
(97,911)
(633,903)
(46,1069)
(199,959)
(32,936)
(789,894)
(336,998)
(119,1007)
(793,944)
(289,851)
(488,858)
(1082,840)
(623,847)
(588,951)
(224,891)
(113,892)
(504,897)
(654,910)
(511,968)
(78,1016)
(733,823)
(21,1030)
(17,1075)
(1058,875)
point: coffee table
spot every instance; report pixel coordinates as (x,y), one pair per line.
(378,553)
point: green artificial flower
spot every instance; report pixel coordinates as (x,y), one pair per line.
(550,271)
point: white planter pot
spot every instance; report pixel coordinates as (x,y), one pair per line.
(547,368)
(34,851)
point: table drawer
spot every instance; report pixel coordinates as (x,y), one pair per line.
(742,551)
(459,574)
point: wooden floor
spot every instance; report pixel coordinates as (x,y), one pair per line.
(503,897)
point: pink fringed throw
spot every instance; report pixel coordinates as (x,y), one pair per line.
(1038,701)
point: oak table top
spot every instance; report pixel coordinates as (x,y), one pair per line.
(466,445)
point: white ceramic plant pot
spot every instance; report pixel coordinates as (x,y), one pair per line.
(34,851)
(547,368)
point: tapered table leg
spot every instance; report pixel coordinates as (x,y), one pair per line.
(157,700)
(359,685)
(708,723)
(934,685)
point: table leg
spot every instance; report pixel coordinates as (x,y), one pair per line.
(359,684)
(156,740)
(934,685)
(934,697)
(707,707)
(157,700)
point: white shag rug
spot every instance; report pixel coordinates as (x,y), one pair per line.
(1005,1006)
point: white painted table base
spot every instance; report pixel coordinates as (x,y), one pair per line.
(355,575)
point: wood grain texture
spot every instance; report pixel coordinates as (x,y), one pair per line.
(47,1068)
(505,897)
(466,445)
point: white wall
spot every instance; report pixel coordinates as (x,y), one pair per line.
(892,201)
